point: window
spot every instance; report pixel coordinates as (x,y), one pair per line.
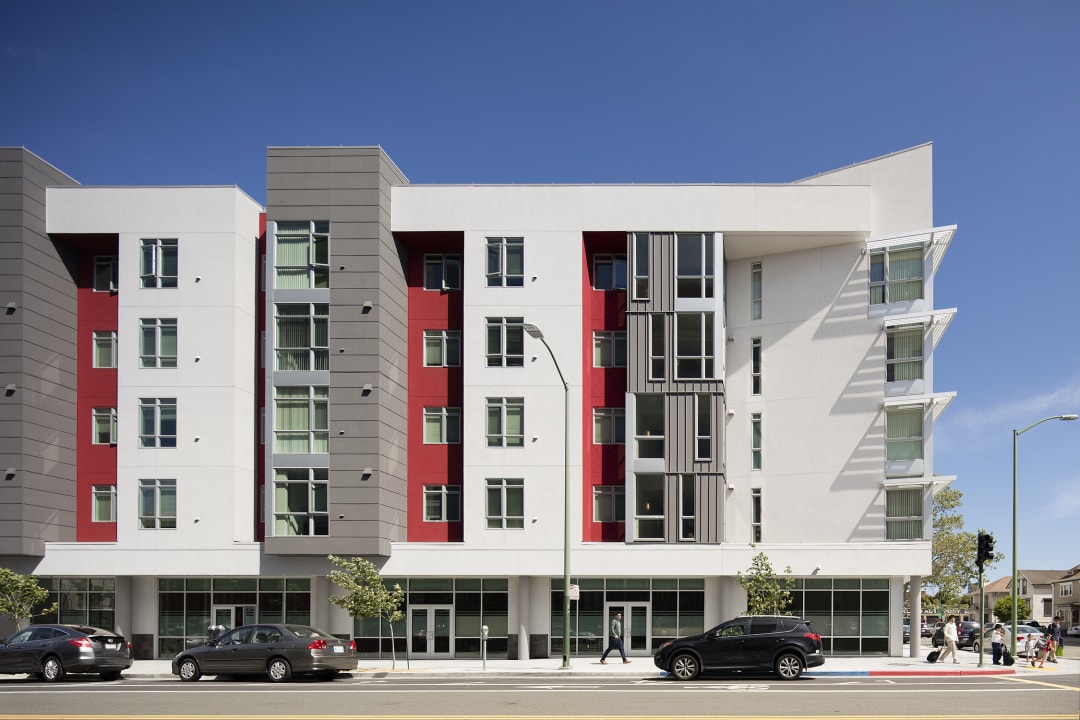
(755,366)
(442,348)
(104,503)
(703,427)
(301,419)
(157,422)
(505,262)
(300,501)
(609,426)
(641,266)
(694,265)
(896,275)
(609,503)
(158,263)
(505,503)
(302,254)
(903,513)
(442,503)
(106,273)
(505,342)
(687,508)
(506,422)
(755,291)
(657,345)
(649,508)
(755,514)
(694,346)
(1065,590)
(609,348)
(442,272)
(755,441)
(904,434)
(104,426)
(609,272)
(301,338)
(904,354)
(157,504)
(650,426)
(104,348)
(442,425)
(157,346)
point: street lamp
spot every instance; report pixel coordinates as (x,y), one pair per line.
(1015,550)
(536,333)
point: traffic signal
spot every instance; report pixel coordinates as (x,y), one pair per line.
(986,550)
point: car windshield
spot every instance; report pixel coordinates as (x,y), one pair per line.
(304,631)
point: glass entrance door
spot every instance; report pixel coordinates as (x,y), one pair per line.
(431,630)
(230,616)
(636,620)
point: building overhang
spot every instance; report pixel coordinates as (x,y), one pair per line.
(936,322)
(935,402)
(934,241)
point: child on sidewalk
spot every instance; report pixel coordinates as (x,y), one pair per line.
(1029,649)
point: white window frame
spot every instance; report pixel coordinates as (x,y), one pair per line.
(104,340)
(448,499)
(609,426)
(310,355)
(649,507)
(449,424)
(104,420)
(703,422)
(648,445)
(497,419)
(306,270)
(756,290)
(447,343)
(609,348)
(704,355)
(703,275)
(444,270)
(609,271)
(313,438)
(609,503)
(153,413)
(103,494)
(157,255)
(156,491)
(506,328)
(687,507)
(755,366)
(500,251)
(657,346)
(894,364)
(757,440)
(896,525)
(642,249)
(755,515)
(500,493)
(312,520)
(900,447)
(1065,589)
(153,333)
(106,266)
(884,287)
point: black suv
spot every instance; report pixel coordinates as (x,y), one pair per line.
(783,644)
(968,636)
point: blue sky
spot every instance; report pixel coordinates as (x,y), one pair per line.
(132,93)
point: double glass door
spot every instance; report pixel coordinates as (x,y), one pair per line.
(636,621)
(231,616)
(431,629)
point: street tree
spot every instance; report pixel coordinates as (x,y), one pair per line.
(766,594)
(366,594)
(953,552)
(1003,609)
(21,596)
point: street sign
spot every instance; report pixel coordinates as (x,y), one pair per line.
(575,592)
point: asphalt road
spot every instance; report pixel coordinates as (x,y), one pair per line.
(1053,698)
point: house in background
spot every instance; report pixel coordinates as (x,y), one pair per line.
(1036,588)
(1065,591)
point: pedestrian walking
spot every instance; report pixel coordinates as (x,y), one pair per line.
(997,642)
(615,640)
(950,636)
(1053,639)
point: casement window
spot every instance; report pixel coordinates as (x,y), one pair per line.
(687,508)
(505,503)
(609,348)
(904,433)
(157,422)
(904,354)
(104,426)
(158,263)
(442,503)
(106,273)
(104,348)
(157,343)
(301,336)
(609,503)
(694,277)
(442,272)
(896,275)
(302,254)
(755,514)
(301,419)
(442,425)
(506,422)
(506,342)
(649,507)
(703,422)
(300,506)
(1064,590)
(657,346)
(505,261)
(650,426)
(157,504)
(103,502)
(755,441)
(755,291)
(904,513)
(609,426)
(641,266)
(755,366)
(694,351)
(442,348)
(609,272)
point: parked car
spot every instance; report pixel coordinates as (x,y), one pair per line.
(968,636)
(907,629)
(49,652)
(1074,631)
(277,651)
(782,644)
(927,630)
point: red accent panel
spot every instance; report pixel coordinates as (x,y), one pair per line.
(260,382)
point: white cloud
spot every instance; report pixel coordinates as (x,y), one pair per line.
(1061,401)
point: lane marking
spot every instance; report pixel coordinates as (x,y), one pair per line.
(1043,683)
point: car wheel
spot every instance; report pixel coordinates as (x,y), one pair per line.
(189,670)
(975,647)
(111,675)
(685,667)
(52,670)
(789,666)
(278,670)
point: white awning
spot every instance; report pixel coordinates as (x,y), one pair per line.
(935,321)
(935,241)
(937,402)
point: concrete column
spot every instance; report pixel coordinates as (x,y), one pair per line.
(524,626)
(915,607)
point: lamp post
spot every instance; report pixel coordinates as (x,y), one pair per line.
(1015,545)
(536,333)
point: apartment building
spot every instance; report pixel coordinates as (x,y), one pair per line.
(415,373)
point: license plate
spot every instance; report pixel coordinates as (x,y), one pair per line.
(339,649)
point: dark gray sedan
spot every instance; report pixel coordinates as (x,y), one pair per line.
(51,651)
(277,651)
